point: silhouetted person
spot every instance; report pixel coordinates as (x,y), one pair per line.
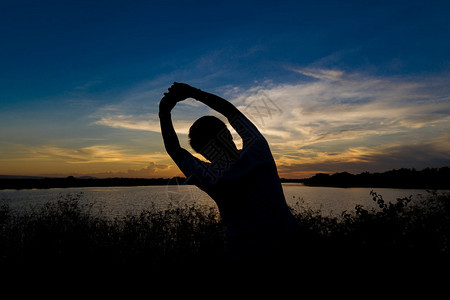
(244,183)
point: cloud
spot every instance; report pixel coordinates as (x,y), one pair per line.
(321,73)
(93,154)
(146,122)
(373,159)
(90,154)
(338,118)
(349,104)
(141,122)
(151,170)
(121,161)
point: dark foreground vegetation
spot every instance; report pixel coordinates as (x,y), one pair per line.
(68,235)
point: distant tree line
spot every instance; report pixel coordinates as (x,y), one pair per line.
(71,181)
(429,178)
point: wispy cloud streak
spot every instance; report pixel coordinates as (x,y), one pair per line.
(339,106)
(145,122)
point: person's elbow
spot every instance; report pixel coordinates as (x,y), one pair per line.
(231,112)
(176,153)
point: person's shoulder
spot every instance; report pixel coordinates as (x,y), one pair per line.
(248,132)
(189,159)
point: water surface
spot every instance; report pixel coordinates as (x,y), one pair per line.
(116,201)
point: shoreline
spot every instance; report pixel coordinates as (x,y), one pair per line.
(45,184)
(426,179)
(72,182)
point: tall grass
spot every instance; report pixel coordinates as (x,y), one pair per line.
(67,233)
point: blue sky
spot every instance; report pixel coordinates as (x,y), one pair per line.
(334,85)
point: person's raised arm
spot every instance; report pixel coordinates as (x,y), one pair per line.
(243,126)
(182,91)
(171,142)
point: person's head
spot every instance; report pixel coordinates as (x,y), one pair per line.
(210,137)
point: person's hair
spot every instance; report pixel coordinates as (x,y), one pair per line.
(208,130)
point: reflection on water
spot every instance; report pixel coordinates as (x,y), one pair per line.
(332,200)
(116,201)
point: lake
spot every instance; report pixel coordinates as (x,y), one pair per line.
(117,201)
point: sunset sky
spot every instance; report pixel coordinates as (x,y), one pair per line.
(333,85)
